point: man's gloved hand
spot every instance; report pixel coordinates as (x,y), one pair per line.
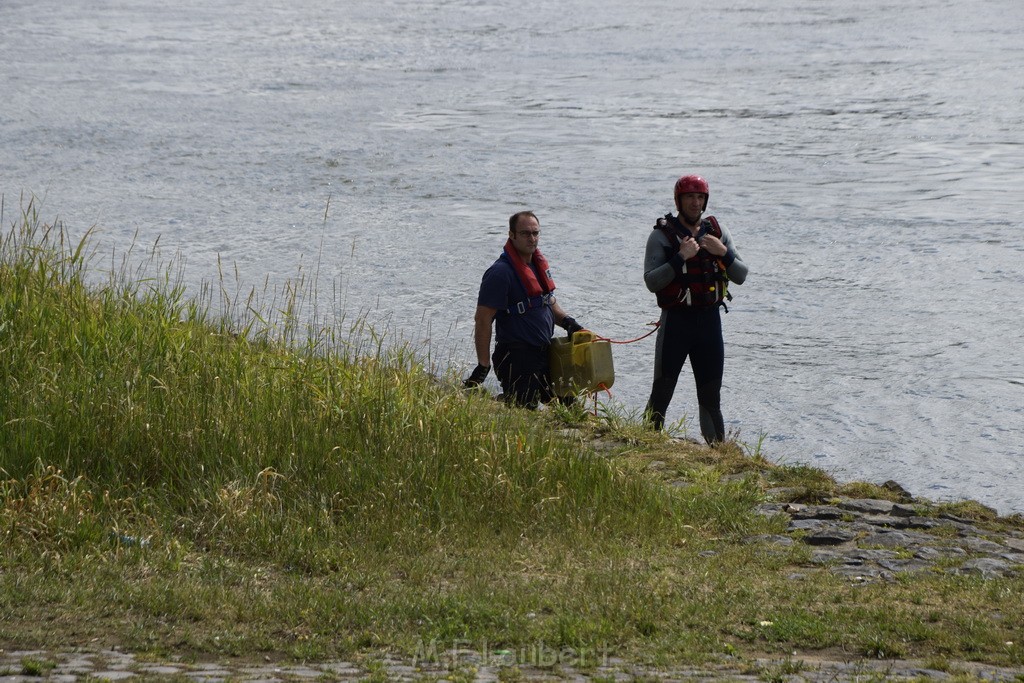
(477,377)
(570,325)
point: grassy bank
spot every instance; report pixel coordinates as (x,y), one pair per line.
(245,484)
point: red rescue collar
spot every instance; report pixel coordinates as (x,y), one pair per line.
(527,275)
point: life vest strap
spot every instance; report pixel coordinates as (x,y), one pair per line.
(522,307)
(698,283)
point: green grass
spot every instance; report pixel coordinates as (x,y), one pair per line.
(246,483)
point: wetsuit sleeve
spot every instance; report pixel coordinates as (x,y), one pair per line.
(735,268)
(659,269)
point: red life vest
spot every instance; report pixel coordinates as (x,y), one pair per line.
(703,282)
(539,290)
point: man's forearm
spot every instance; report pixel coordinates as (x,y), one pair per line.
(482,339)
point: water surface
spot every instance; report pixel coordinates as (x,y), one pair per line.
(867,159)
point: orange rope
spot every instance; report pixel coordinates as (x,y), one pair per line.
(594,394)
(630,341)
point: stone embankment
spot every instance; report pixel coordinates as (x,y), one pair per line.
(869,539)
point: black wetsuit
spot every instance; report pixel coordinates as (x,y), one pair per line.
(694,333)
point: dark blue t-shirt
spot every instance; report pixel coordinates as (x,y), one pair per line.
(501,289)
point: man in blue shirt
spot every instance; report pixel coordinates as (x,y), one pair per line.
(516,295)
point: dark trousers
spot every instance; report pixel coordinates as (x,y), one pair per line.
(524,373)
(694,333)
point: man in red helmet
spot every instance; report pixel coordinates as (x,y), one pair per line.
(689,263)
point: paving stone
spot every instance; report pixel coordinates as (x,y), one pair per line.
(985,567)
(113,675)
(902,566)
(885,521)
(957,520)
(773,539)
(258,673)
(1014,544)
(896,539)
(962,528)
(903,523)
(828,557)
(76,665)
(770,509)
(981,545)
(921,523)
(341,668)
(867,506)
(304,672)
(860,572)
(818,512)
(807,524)
(829,536)
(933,554)
(870,555)
(158,670)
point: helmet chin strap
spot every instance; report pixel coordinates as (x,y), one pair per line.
(685,220)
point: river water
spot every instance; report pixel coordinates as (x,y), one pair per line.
(868,158)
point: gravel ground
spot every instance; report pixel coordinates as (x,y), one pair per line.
(115,665)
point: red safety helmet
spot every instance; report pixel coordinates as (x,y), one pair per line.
(692,183)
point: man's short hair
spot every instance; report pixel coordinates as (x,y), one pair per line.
(513,220)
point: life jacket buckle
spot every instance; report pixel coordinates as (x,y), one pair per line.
(521,307)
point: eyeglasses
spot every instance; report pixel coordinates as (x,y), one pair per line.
(528,233)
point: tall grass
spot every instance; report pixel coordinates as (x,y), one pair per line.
(255,432)
(217,474)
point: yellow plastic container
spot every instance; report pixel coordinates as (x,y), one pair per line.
(580,365)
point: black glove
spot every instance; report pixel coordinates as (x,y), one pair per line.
(477,377)
(570,325)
